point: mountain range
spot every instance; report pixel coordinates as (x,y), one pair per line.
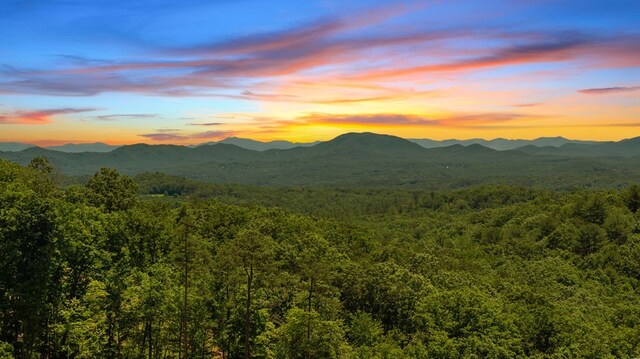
(69,147)
(83,147)
(262,146)
(500,144)
(366,159)
(13,146)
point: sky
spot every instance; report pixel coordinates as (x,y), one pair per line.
(193,71)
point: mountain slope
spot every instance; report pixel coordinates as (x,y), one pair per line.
(362,159)
(83,147)
(14,146)
(626,148)
(367,145)
(134,159)
(500,144)
(261,146)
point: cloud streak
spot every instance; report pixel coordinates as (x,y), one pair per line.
(557,48)
(393,68)
(182,138)
(609,90)
(38,117)
(207,124)
(404,120)
(331,48)
(125,115)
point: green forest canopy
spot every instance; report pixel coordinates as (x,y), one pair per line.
(96,270)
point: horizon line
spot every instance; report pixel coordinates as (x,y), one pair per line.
(56,143)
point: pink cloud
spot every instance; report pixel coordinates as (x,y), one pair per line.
(178,137)
(401,120)
(38,117)
(329,49)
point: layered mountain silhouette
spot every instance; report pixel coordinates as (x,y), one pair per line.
(83,147)
(501,144)
(69,147)
(14,146)
(625,148)
(263,146)
(357,159)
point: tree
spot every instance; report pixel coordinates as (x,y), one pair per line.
(42,178)
(41,165)
(187,225)
(30,282)
(364,330)
(315,259)
(590,239)
(111,191)
(470,320)
(632,198)
(618,226)
(592,209)
(326,340)
(251,253)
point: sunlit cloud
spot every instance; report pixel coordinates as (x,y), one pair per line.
(186,138)
(38,117)
(330,46)
(403,120)
(557,49)
(376,119)
(394,69)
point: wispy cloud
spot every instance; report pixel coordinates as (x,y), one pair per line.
(354,100)
(555,48)
(404,120)
(609,90)
(530,104)
(186,138)
(38,117)
(331,48)
(367,119)
(125,115)
(393,69)
(207,124)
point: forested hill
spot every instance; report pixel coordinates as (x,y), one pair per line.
(366,159)
(96,271)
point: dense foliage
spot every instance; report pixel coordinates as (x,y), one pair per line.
(98,271)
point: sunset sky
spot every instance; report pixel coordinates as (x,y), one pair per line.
(188,71)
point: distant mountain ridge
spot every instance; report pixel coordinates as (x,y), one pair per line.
(366,159)
(83,147)
(255,145)
(14,146)
(68,148)
(625,148)
(501,144)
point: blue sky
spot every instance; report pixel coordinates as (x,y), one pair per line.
(194,71)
